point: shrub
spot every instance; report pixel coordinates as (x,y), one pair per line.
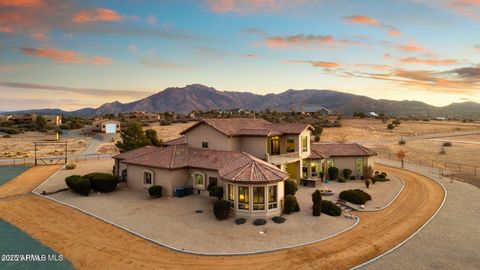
(353,177)
(447,144)
(103,182)
(317,209)
(317,138)
(390,126)
(331,209)
(259,222)
(155,191)
(6,136)
(70,166)
(333,173)
(78,184)
(212,190)
(291,187)
(291,204)
(347,173)
(10,130)
(219,192)
(341,180)
(367,183)
(402,142)
(442,151)
(278,219)
(221,209)
(316,197)
(355,196)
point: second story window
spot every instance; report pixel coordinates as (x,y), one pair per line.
(204,145)
(304,143)
(290,145)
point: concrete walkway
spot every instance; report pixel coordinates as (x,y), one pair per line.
(450,241)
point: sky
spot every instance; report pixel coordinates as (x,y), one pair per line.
(76,54)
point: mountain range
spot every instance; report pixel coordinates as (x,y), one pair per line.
(200,97)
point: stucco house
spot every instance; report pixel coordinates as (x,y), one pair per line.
(250,158)
(53,120)
(106,126)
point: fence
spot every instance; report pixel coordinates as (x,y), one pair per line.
(52,159)
(446,167)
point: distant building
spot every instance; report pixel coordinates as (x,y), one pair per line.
(372,114)
(316,109)
(29,117)
(53,120)
(5,118)
(142,116)
(106,126)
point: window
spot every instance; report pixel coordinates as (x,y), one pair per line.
(147,178)
(204,145)
(259,198)
(198,180)
(124,175)
(290,145)
(305,168)
(272,197)
(275,145)
(231,195)
(359,166)
(243,198)
(330,163)
(304,143)
(314,168)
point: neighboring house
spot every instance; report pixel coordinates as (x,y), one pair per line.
(142,116)
(29,117)
(250,158)
(372,114)
(106,126)
(5,118)
(53,120)
(343,156)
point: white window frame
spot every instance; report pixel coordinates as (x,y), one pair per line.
(264,199)
(272,205)
(194,177)
(152,179)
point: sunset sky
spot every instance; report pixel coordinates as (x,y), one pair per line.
(75,54)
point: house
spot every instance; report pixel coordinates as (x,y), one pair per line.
(53,120)
(106,126)
(29,117)
(250,158)
(5,118)
(341,155)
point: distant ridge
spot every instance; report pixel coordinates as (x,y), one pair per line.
(201,97)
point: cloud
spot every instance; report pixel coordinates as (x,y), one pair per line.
(133,48)
(6,29)
(65,56)
(152,20)
(22,3)
(366,20)
(95,15)
(39,35)
(466,72)
(250,6)
(432,62)
(85,91)
(411,47)
(250,55)
(255,31)
(300,40)
(322,64)
(477,47)
(468,8)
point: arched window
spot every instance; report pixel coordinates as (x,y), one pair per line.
(199,180)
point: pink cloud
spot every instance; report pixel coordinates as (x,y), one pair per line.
(249,6)
(21,3)
(98,14)
(299,40)
(367,20)
(6,29)
(431,62)
(63,56)
(322,64)
(411,46)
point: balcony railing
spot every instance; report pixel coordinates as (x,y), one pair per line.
(283,158)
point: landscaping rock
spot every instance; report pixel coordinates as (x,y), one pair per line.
(259,222)
(279,219)
(240,221)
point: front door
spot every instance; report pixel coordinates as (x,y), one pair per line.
(274,146)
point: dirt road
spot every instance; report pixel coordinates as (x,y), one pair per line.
(92,244)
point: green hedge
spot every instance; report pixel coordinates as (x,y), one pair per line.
(341,180)
(155,191)
(355,196)
(347,173)
(78,184)
(291,187)
(103,182)
(221,209)
(331,209)
(291,204)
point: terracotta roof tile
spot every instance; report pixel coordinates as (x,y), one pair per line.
(177,141)
(340,150)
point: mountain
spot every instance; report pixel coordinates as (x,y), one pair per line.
(200,97)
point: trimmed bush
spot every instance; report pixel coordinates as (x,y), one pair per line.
(353,177)
(219,192)
(447,144)
(355,196)
(78,184)
(103,182)
(221,209)
(347,173)
(70,166)
(332,173)
(210,188)
(331,209)
(259,222)
(317,209)
(341,180)
(155,191)
(317,201)
(291,204)
(291,187)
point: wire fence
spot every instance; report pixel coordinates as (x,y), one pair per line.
(52,160)
(445,167)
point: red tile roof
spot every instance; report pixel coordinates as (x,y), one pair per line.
(339,150)
(231,165)
(177,141)
(251,127)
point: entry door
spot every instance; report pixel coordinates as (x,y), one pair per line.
(275,146)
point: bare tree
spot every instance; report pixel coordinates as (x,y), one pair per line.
(401,154)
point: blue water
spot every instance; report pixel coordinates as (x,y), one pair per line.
(17,245)
(7,173)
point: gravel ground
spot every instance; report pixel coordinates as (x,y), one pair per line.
(450,241)
(132,209)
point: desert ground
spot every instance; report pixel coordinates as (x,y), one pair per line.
(170,132)
(22,145)
(89,243)
(372,129)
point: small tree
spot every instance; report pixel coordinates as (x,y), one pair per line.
(41,123)
(367,172)
(133,137)
(317,203)
(152,136)
(290,187)
(401,154)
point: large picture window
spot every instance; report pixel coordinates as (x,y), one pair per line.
(259,198)
(243,198)
(272,197)
(304,143)
(147,178)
